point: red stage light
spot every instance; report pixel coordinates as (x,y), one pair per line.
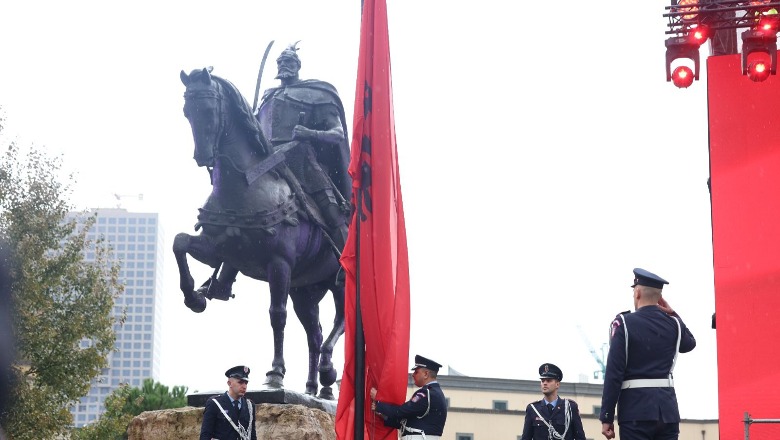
(679,48)
(768,23)
(682,77)
(699,35)
(758,71)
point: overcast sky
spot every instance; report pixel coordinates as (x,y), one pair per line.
(542,157)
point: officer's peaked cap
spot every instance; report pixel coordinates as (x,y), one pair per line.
(649,279)
(238,372)
(550,371)
(424,362)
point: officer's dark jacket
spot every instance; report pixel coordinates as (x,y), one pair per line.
(216,426)
(652,345)
(535,429)
(414,411)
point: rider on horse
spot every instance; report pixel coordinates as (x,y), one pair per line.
(311,112)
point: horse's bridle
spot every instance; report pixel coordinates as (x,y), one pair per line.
(222,113)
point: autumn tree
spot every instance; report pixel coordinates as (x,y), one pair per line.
(62,303)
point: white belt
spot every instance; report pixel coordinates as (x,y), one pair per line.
(420,437)
(648,383)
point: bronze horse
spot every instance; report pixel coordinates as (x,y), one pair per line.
(257,228)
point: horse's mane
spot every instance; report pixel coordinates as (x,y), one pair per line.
(241,109)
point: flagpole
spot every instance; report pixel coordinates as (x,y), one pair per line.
(360,345)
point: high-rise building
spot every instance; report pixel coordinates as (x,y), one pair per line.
(136,240)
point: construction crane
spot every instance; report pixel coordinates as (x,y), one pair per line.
(119,198)
(598,374)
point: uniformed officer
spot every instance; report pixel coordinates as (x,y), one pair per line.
(642,353)
(230,416)
(552,418)
(424,415)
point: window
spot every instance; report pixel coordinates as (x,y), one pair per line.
(500,405)
(462,436)
(597,410)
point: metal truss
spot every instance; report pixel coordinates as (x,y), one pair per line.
(716,15)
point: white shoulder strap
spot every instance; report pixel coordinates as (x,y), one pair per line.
(677,350)
(429,403)
(552,433)
(625,330)
(244,433)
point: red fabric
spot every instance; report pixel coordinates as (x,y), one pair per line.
(384,264)
(745,169)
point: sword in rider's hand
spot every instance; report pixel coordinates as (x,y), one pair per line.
(260,75)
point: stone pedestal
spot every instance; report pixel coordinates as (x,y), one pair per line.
(272,422)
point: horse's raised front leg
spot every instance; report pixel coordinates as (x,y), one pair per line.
(327,372)
(306,302)
(202,249)
(279,284)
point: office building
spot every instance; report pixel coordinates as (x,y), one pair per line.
(136,240)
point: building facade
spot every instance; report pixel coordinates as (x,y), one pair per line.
(494,409)
(136,240)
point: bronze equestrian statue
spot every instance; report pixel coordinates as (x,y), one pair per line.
(265,215)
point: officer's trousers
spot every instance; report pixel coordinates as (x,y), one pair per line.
(649,430)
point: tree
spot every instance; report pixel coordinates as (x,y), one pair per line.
(62,303)
(113,422)
(125,403)
(153,396)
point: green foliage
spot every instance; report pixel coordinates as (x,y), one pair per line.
(113,423)
(125,403)
(59,298)
(153,396)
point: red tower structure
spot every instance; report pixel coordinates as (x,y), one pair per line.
(744,146)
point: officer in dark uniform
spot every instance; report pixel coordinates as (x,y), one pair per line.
(642,353)
(552,418)
(424,415)
(230,416)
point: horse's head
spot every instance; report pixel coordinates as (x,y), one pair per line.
(204,108)
(214,106)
